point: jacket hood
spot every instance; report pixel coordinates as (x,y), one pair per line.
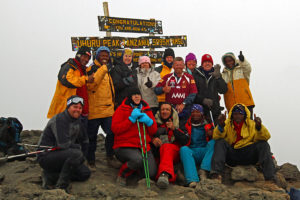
(174,116)
(229,54)
(247,120)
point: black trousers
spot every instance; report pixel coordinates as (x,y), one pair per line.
(134,159)
(258,152)
(54,161)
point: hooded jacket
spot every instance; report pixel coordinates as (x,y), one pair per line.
(148,93)
(69,79)
(209,88)
(126,134)
(118,73)
(249,133)
(237,80)
(101,92)
(163,70)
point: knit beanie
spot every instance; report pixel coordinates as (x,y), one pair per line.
(144,59)
(168,52)
(206,57)
(197,107)
(239,109)
(102,48)
(84,50)
(189,57)
(127,51)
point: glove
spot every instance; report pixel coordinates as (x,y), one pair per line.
(221,119)
(128,80)
(208,102)
(241,57)
(257,122)
(135,114)
(216,72)
(149,83)
(144,118)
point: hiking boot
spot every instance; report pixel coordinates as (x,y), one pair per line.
(48,180)
(113,162)
(192,184)
(202,174)
(92,166)
(121,181)
(163,181)
(217,177)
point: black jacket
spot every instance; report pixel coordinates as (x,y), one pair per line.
(209,88)
(118,73)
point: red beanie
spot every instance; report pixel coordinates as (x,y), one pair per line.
(206,57)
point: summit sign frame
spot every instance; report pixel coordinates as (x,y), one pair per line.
(116,24)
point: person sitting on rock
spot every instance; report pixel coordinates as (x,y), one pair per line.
(66,132)
(241,141)
(200,150)
(169,138)
(130,120)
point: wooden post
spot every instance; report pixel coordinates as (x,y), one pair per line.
(106,14)
(152,49)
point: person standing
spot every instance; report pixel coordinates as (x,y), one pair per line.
(237,77)
(209,84)
(165,68)
(101,99)
(147,80)
(190,63)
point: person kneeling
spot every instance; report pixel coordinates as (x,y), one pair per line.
(64,131)
(132,122)
(241,141)
(200,150)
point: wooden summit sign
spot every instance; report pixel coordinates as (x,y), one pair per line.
(114,24)
(134,43)
(155,56)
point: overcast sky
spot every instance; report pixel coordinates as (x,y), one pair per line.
(35,41)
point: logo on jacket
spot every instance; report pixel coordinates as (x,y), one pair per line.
(178,95)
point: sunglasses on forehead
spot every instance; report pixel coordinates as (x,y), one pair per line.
(75,100)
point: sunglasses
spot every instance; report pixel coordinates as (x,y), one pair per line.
(75,100)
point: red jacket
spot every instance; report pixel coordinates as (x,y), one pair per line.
(126,133)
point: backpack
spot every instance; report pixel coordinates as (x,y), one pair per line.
(10,130)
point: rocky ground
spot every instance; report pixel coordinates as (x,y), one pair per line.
(22,180)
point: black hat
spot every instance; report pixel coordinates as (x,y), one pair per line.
(84,50)
(169,52)
(133,91)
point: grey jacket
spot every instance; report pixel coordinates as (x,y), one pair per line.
(148,93)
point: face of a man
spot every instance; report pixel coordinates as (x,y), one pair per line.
(127,59)
(84,59)
(237,117)
(75,110)
(136,98)
(165,111)
(169,59)
(229,62)
(178,67)
(103,57)
(191,64)
(197,116)
(207,65)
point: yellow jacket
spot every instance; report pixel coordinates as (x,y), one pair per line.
(101,92)
(163,70)
(249,133)
(237,80)
(69,79)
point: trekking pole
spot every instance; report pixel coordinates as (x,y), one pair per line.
(143,156)
(33,145)
(28,154)
(212,119)
(147,164)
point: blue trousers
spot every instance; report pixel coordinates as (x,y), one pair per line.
(93,127)
(191,157)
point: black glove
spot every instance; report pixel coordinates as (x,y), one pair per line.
(128,80)
(149,83)
(216,73)
(208,102)
(241,57)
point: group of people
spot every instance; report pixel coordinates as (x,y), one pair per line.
(170,113)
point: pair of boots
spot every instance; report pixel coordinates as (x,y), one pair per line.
(124,172)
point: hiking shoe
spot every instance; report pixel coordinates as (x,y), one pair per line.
(192,184)
(163,181)
(91,166)
(48,180)
(113,162)
(217,177)
(202,174)
(121,181)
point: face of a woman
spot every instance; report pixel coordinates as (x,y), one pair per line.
(136,98)
(191,64)
(127,59)
(145,65)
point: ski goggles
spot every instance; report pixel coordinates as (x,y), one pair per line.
(75,100)
(239,109)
